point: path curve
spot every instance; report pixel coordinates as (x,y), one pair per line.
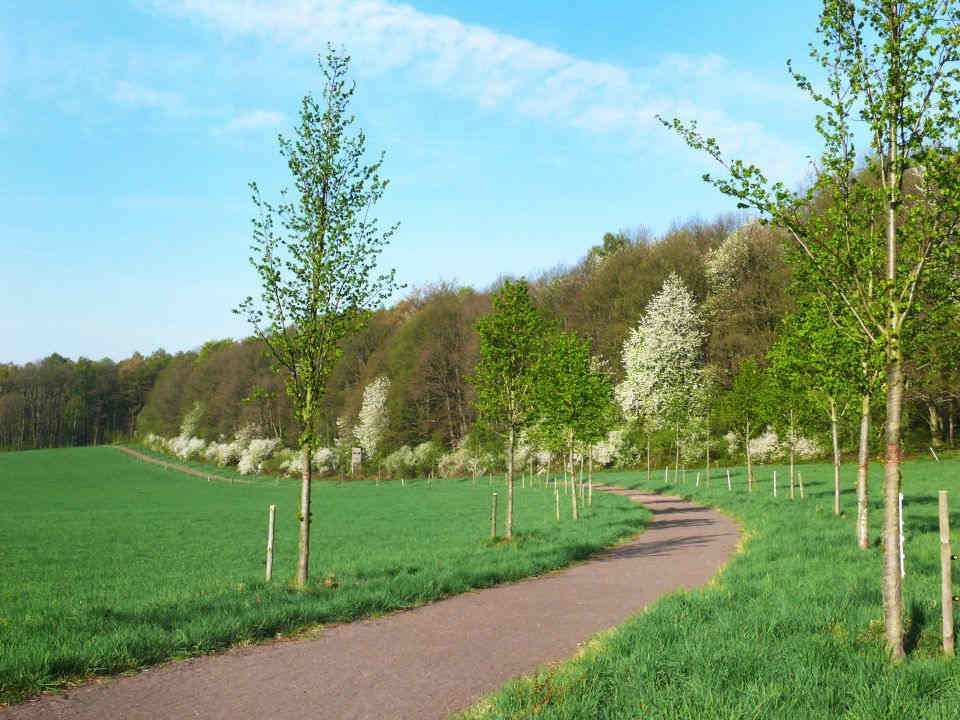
(428,662)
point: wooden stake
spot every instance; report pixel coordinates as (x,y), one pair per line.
(698,479)
(271,523)
(729,486)
(935,456)
(946,582)
(556,495)
(774,483)
(493,517)
(800,481)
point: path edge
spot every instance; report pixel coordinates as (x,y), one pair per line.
(596,644)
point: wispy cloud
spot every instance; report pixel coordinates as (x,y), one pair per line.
(126,93)
(253,120)
(501,71)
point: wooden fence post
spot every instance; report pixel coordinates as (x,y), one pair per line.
(946,582)
(493,517)
(271,524)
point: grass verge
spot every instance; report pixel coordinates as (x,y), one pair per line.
(109,564)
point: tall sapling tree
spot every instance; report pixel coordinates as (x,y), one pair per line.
(316,255)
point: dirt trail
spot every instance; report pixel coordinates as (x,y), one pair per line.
(424,663)
(178,467)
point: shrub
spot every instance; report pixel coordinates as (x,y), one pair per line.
(259,449)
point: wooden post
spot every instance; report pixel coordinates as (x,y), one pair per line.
(556,495)
(666,475)
(573,498)
(800,482)
(271,524)
(935,456)
(946,582)
(729,486)
(774,483)
(698,479)
(493,517)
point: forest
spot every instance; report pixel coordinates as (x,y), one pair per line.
(421,352)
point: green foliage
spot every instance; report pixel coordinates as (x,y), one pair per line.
(742,407)
(574,397)
(513,339)
(110,564)
(316,254)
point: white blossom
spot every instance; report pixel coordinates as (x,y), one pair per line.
(373,416)
(807,448)
(324,460)
(188,428)
(186,448)
(766,447)
(259,449)
(400,461)
(661,356)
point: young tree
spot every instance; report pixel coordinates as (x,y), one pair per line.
(316,256)
(372,419)
(512,342)
(661,360)
(573,395)
(892,66)
(742,408)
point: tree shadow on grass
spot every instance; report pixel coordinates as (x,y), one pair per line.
(916,622)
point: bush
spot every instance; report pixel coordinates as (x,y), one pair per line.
(259,449)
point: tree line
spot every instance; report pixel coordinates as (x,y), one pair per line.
(737,272)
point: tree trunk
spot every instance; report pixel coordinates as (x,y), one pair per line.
(708,459)
(793,449)
(573,489)
(510,484)
(834,421)
(892,581)
(676,467)
(648,460)
(863,461)
(303,559)
(936,425)
(590,479)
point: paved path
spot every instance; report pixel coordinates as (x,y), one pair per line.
(428,662)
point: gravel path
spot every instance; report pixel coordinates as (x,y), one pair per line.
(428,662)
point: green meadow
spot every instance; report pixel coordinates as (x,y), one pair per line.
(790,629)
(108,564)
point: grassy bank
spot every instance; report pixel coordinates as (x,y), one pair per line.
(111,564)
(790,629)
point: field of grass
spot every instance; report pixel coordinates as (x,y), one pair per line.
(110,564)
(790,629)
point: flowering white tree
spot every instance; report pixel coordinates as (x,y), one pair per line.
(373,415)
(661,359)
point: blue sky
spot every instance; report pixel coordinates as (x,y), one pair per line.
(516,134)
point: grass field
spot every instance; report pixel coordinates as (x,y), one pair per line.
(110,564)
(791,629)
